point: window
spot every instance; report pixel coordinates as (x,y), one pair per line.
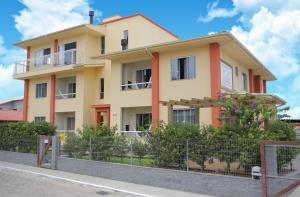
(143,121)
(72,90)
(42,57)
(183,68)
(102,44)
(245,82)
(226,76)
(70,123)
(41,90)
(67,53)
(124,41)
(102,88)
(184,115)
(236,71)
(143,78)
(40,119)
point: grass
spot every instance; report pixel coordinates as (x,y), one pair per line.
(127,160)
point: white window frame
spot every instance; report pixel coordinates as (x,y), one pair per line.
(190,70)
(41,90)
(244,83)
(40,118)
(226,76)
(184,115)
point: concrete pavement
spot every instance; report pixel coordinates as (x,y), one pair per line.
(21,180)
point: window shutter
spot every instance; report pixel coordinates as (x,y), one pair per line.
(174,69)
(191,67)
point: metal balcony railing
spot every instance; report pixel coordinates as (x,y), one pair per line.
(136,86)
(68,57)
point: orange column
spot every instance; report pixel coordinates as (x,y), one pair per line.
(28,59)
(25,101)
(257,84)
(55,50)
(155,89)
(215,79)
(265,86)
(52,98)
(250,80)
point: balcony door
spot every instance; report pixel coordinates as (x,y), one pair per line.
(102,114)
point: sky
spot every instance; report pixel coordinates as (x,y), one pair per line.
(268,28)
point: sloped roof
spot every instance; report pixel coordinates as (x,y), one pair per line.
(3,101)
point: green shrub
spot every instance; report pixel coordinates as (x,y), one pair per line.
(75,145)
(22,136)
(139,148)
(120,147)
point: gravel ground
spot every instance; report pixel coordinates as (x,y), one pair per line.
(21,184)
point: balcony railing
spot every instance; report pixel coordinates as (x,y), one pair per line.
(63,58)
(65,95)
(136,86)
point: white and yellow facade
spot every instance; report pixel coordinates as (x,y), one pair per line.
(92,78)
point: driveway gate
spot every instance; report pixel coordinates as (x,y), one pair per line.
(280,167)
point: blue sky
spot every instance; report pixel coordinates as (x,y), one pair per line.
(268,28)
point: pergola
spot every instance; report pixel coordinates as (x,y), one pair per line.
(207,102)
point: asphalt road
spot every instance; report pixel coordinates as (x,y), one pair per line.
(22,184)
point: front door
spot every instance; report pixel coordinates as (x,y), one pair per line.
(102,114)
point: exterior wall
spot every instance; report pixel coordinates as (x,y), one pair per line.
(185,89)
(38,106)
(151,34)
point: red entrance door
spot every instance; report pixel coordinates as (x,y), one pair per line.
(102,114)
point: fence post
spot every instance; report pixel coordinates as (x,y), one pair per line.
(55,152)
(187,155)
(131,152)
(90,148)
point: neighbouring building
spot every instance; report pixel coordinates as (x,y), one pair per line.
(118,71)
(11,110)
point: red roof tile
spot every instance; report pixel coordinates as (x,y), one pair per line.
(10,115)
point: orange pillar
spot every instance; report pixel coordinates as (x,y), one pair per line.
(265,86)
(215,80)
(55,50)
(155,89)
(52,99)
(25,101)
(28,59)
(257,84)
(250,80)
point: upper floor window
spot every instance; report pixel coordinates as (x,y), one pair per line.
(67,53)
(102,44)
(183,68)
(40,119)
(184,115)
(124,41)
(42,57)
(41,90)
(226,76)
(72,90)
(143,78)
(245,82)
(101,88)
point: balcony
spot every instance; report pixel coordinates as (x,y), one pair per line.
(136,75)
(66,88)
(65,121)
(68,57)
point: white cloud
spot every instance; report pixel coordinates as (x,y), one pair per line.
(41,17)
(294,112)
(216,12)
(8,86)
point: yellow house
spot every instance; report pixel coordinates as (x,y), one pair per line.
(118,71)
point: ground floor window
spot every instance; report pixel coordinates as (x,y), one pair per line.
(40,119)
(184,115)
(71,123)
(143,121)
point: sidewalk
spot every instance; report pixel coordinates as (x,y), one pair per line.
(129,188)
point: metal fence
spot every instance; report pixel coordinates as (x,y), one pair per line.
(233,157)
(15,144)
(281,168)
